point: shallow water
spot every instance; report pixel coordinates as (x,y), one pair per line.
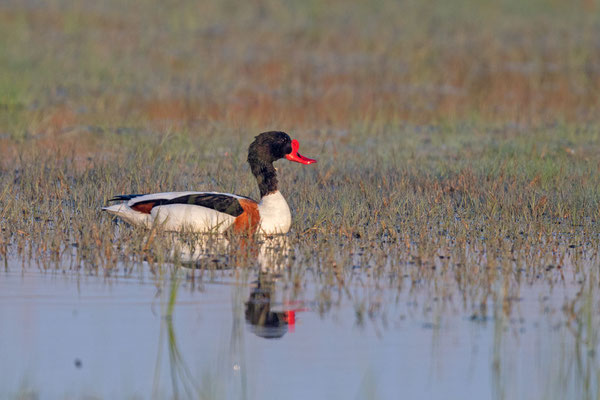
(231,334)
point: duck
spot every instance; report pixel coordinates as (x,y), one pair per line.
(214,212)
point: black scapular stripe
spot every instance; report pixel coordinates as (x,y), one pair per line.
(216,201)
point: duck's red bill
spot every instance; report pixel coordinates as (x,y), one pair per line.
(295,156)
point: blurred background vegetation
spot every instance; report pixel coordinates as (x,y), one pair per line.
(70,68)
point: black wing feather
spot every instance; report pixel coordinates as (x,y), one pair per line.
(216,201)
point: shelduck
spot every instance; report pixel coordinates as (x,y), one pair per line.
(220,212)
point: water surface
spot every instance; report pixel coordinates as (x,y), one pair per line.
(244,334)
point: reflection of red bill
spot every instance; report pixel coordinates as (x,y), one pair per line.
(290,317)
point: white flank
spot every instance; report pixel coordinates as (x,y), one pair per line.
(188,217)
(175,217)
(275,215)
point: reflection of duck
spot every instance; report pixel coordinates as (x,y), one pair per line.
(262,320)
(272,255)
(271,252)
(218,212)
(199,251)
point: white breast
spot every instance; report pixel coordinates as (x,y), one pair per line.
(175,217)
(275,215)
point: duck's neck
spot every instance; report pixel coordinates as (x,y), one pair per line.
(275,216)
(266,176)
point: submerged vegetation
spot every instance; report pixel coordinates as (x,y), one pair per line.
(458,144)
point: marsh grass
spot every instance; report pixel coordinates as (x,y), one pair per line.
(457,144)
(492,210)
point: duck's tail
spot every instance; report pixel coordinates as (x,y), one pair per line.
(123,211)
